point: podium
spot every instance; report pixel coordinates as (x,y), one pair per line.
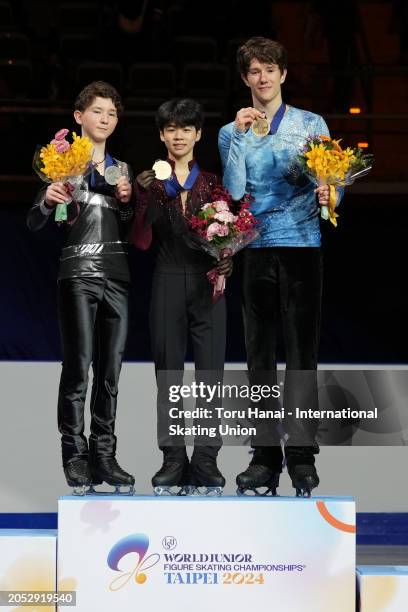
(27,563)
(382,588)
(182,553)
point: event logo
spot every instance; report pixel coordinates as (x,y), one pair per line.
(169,542)
(136,543)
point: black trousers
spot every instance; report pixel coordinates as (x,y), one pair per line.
(181,305)
(285,284)
(93,317)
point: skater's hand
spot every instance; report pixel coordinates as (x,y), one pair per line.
(146,178)
(123,190)
(246,116)
(225,266)
(323,195)
(55,194)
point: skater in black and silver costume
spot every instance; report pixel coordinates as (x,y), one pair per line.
(93,286)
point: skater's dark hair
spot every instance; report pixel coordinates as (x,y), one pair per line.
(180,112)
(264,50)
(98,89)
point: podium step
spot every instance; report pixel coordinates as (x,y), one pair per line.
(199,553)
(27,564)
(382,588)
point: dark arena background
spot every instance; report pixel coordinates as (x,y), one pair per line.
(347,61)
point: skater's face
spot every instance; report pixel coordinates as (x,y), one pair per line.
(264,81)
(98,120)
(180,140)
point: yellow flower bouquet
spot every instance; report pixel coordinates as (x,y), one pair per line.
(326,163)
(66,162)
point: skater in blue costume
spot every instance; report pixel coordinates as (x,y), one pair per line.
(282,269)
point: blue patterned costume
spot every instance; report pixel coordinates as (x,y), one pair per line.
(284,200)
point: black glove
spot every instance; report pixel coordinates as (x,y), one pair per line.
(146,178)
(225,266)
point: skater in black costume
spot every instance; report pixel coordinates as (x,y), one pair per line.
(93,286)
(182,294)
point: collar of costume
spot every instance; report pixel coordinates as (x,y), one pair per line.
(109,161)
(172,185)
(277,118)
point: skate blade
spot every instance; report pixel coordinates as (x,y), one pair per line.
(305,489)
(257,491)
(303,492)
(174,490)
(80,490)
(204,491)
(126,490)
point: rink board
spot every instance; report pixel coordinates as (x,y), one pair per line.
(192,553)
(28,560)
(382,588)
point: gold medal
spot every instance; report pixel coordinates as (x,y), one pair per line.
(260,127)
(162,169)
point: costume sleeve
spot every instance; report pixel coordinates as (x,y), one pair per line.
(39,212)
(141,230)
(322,129)
(232,147)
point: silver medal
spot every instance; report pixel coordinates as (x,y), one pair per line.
(112,175)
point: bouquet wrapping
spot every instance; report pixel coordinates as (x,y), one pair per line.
(327,163)
(62,161)
(221,233)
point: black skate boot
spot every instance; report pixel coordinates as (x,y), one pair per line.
(261,476)
(258,479)
(172,478)
(303,475)
(205,477)
(78,475)
(107,469)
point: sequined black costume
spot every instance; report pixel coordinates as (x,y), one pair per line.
(182,294)
(93,285)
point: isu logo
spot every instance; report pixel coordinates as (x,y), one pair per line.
(169,542)
(90,249)
(134,544)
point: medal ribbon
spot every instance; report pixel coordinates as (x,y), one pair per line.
(173,187)
(108,162)
(276,121)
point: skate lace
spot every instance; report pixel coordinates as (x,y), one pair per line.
(111,464)
(78,466)
(257,468)
(169,465)
(303,470)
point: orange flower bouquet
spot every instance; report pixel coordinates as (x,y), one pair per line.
(326,163)
(63,161)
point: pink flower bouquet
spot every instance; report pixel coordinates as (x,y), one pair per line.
(221,233)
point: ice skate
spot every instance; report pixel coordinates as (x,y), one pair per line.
(107,469)
(78,475)
(205,478)
(304,479)
(172,478)
(258,480)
